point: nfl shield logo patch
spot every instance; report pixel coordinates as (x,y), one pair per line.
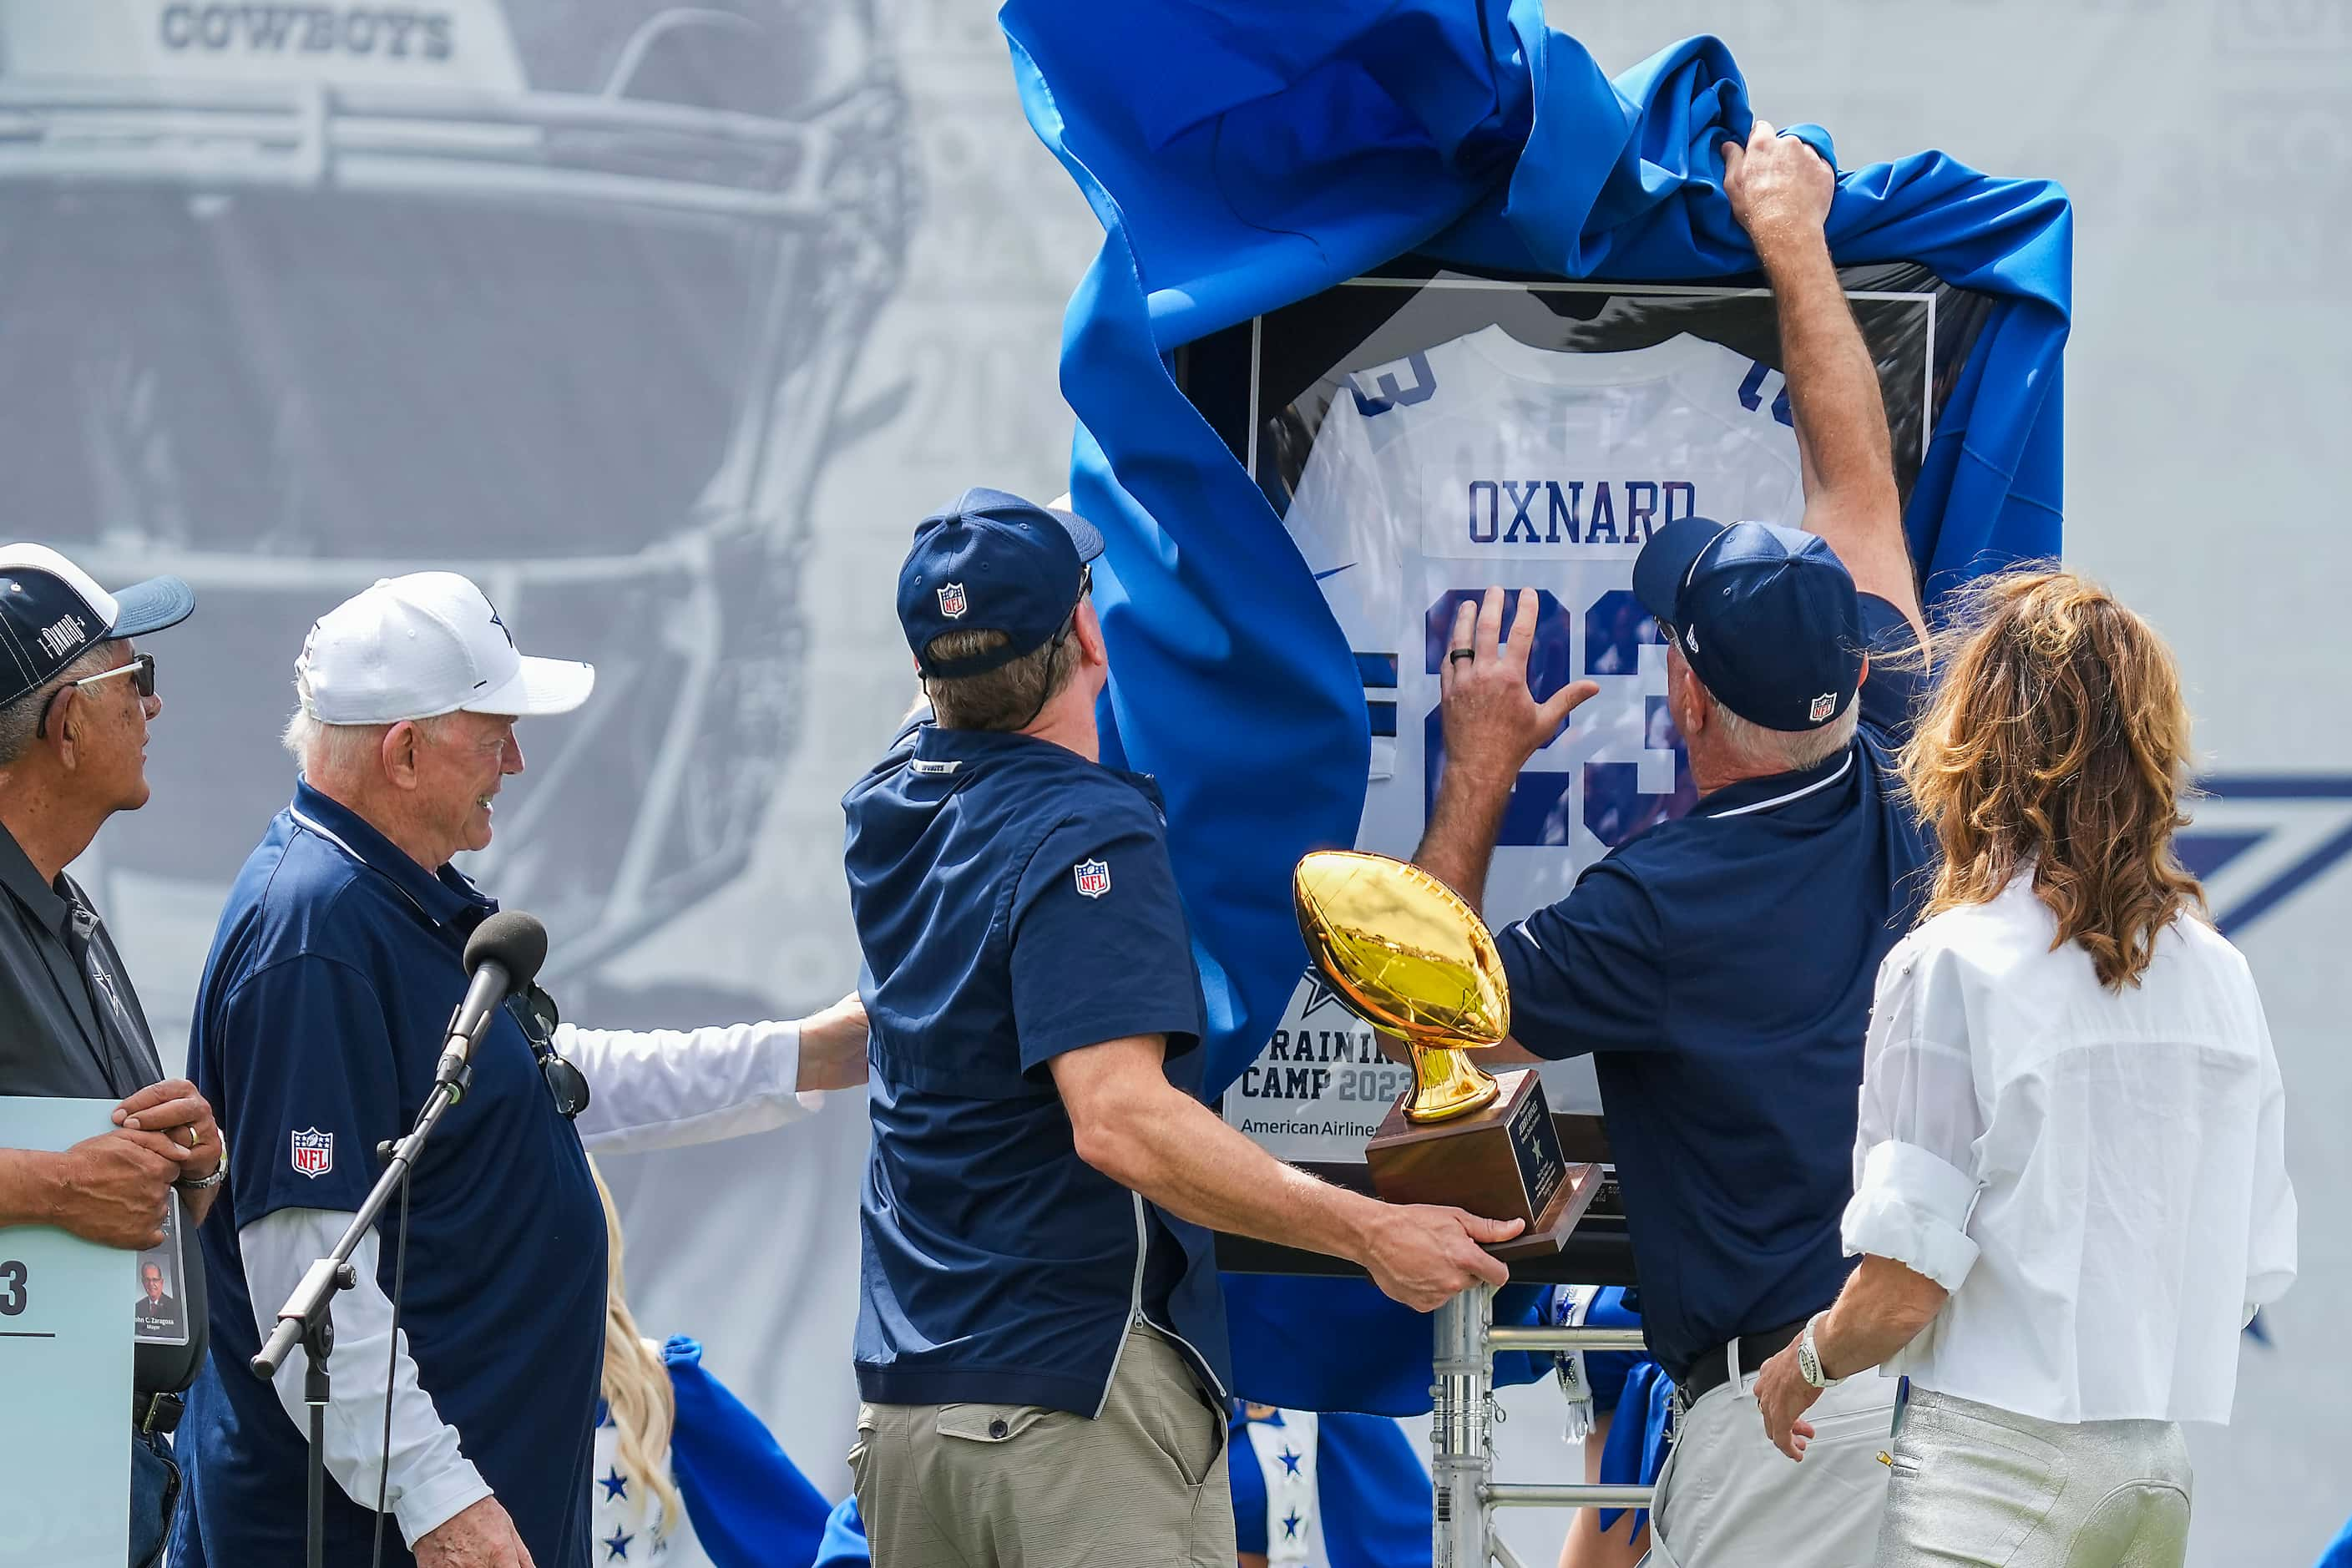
(951,602)
(1823,706)
(314,1151)
(1094,878)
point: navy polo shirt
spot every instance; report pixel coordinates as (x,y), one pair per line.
(319,1022)
(1014,902)
(1719,968)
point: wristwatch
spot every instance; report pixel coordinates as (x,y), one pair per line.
(208,1183)
(1808,1360)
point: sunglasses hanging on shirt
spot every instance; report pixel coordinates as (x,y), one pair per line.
(536,1011)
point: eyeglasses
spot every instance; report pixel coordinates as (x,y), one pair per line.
(1070,621)
(142,669)
(536,1012)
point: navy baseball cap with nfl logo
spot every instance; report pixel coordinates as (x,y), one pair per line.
(1766,616)
(52,612)
(992,559)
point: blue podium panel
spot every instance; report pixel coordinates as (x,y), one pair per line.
(66,1320)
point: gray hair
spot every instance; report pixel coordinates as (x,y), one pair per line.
(20,720)
(325,751)
(1783,751)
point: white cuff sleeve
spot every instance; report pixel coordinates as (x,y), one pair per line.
(665,1088)
(1912,1206)
(428,1480)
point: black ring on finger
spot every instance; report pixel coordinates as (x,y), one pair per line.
(1459,654)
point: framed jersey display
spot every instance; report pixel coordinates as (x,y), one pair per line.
(1425,434)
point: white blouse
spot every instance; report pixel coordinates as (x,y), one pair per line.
(2099,1178)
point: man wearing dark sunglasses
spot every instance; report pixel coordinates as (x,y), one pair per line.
(75,704)
(319,1018)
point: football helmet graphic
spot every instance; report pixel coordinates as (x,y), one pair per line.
(561,294)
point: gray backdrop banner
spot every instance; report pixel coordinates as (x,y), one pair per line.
(665,324)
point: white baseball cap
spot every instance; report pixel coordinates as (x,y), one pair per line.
(421,646)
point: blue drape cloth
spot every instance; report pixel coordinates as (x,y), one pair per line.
(1243,154)
(844,1544)
(751,1505)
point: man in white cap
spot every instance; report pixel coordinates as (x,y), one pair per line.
(318,1021)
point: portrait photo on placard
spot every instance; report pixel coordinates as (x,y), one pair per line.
(160,1316)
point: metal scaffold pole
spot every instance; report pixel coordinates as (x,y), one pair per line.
(1461,1445)
(1462,1416)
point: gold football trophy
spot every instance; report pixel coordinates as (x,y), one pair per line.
(1416,963)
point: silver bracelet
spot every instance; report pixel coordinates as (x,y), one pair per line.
(207,1184)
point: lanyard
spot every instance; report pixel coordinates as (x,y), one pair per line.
(124,1059)
(128,1045)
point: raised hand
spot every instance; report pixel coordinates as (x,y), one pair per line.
(1493,723)
(1779,187)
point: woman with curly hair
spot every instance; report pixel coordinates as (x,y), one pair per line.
(2069,1187)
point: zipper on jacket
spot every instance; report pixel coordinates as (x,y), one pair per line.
(1136,1314)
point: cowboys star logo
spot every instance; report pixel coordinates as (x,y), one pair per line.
(1320,995)
(2259,839)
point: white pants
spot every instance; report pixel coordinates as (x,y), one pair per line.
(1973,1484)
(1728,1499)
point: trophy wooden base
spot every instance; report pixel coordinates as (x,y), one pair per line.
(1504,1162)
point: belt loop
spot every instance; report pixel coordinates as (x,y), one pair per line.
(1731,1361)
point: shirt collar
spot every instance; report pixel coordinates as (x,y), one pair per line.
(17,874)
(942,753)
(1753,797)
(442,895)
(967,747)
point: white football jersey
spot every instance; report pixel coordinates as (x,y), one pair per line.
(1484,462)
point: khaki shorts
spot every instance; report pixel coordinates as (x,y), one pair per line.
(1020,1486)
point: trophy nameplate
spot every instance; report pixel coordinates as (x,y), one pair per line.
(1503,1162)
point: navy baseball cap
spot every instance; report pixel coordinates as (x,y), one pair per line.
(992,559)
(54,613)
(1767,617)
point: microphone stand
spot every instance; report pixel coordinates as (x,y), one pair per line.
(308,1316)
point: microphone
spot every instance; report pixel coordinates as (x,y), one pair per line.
(503,956)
